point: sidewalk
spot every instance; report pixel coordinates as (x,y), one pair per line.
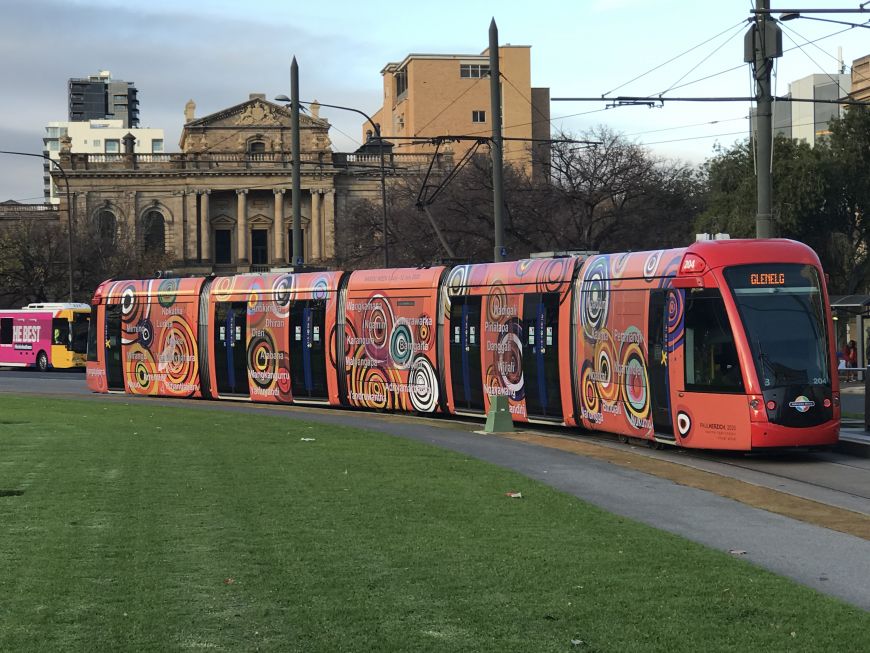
(854,437)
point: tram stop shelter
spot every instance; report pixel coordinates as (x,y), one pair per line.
(850,313)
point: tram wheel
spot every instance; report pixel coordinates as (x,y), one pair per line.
(654,444)
(623,438)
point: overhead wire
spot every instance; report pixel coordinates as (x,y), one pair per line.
(672,59)
(702,61)
(813,43)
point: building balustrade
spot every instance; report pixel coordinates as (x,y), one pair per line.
(256,161)
(16,211)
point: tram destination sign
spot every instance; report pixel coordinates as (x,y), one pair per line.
(771,276)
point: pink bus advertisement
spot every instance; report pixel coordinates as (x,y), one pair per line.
(44,336)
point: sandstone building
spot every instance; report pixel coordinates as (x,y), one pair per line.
(223,202)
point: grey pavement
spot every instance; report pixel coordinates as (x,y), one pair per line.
(831,562)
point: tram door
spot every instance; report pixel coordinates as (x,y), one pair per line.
(541,355)
(465,365)
(112,351)
(230,348)
(308,349)
(657,358)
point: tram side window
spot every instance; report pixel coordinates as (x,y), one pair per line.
(92,335)
(710,354)
(5,330)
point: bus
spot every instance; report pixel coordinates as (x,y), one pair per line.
(722,345)
(44,336)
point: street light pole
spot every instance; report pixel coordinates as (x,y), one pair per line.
(69,210)
(377,129)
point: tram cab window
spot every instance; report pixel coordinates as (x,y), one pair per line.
(710,355)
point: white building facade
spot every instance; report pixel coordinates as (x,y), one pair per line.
(95,137)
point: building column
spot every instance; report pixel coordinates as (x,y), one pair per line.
(205,227)
(242,226)
(278,222)
(316,250)
(187,225)
(329,223)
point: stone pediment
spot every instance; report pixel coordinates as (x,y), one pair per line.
(256,113)
(256,119)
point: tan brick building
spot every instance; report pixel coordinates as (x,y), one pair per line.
(428,95)
(861,79)
(223,203)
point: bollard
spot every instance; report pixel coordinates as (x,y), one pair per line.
(498,419)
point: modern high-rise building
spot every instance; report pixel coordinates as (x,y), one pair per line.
(427,95)
(100,97)
(810,107)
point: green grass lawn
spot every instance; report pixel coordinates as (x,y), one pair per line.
(144,528)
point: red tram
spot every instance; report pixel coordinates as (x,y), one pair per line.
(720,345)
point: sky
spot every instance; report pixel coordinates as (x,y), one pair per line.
(217,52)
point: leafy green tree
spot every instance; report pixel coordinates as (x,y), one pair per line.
(820,196)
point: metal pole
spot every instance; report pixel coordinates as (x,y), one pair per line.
(764,123)
(296,193)
(69,210)
(500,253)
(377,130)
(383,193)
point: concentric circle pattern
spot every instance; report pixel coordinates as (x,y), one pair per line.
(651,265)
(177,359)
(424,385)
(262,360)
(167,292)
(551,273)
(377,326)
(401,344)
(684,424)
(282,293)
(595,297)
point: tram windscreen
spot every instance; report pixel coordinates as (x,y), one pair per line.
(783,313)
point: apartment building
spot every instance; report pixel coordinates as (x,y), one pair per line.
(99,96)
(428,95)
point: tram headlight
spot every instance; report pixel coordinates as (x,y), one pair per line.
(754,404)
(836,399)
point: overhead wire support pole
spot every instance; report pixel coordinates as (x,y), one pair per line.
(69,209)
(378,135)
(763,43)
(499,253)
(296,191)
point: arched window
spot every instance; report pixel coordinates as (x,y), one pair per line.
(107,226)
(154,232)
